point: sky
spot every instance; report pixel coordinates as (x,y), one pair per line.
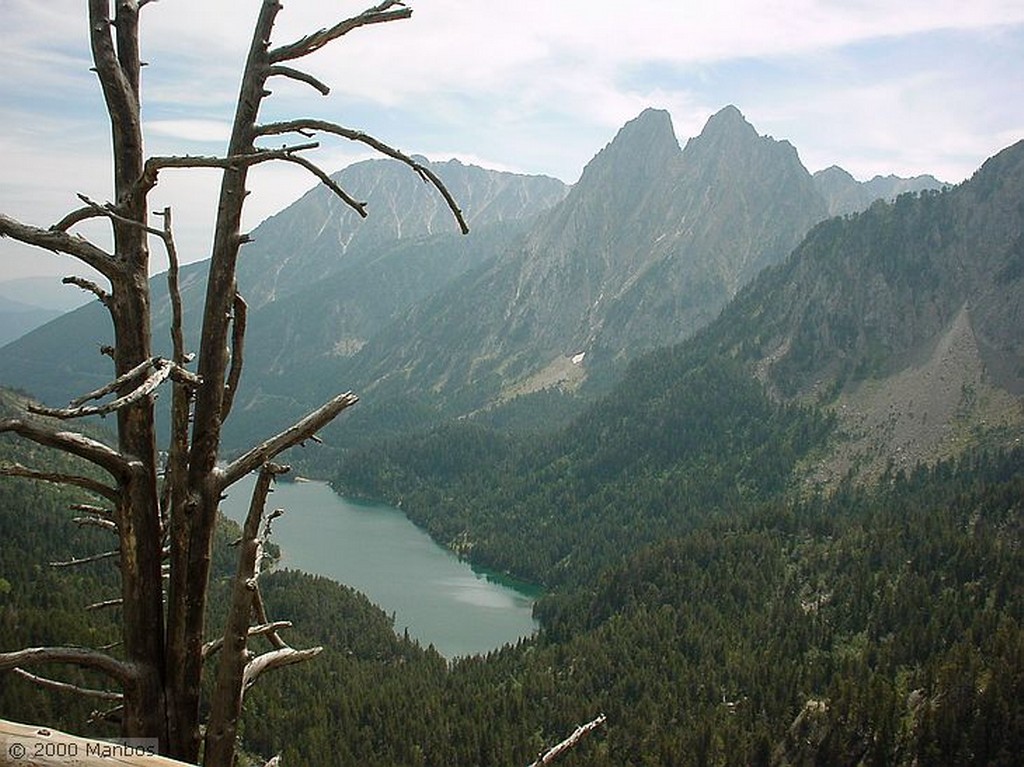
(530,86)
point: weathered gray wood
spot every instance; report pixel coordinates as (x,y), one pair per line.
(25,745)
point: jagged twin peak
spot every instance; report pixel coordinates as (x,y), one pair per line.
(654,240)
(645,249)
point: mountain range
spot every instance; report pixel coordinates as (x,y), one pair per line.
(706,355)
(555,287)
(29,302)
(905,319)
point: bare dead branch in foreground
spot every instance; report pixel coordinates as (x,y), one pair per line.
(58,241)
(89,287)
(302,77)
(70,442)
(86,560)
(53,684)
(306,126)
(266,629)
(76,656)
(161,370)
(104,604)
(239,321)
(101,522)
(71,480)
(378,14)
(290,437)
(578,734)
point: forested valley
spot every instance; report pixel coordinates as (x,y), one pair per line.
(739,622)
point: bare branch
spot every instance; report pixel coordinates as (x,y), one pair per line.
(268,629)
(76,656)
(553,753)
(87,560)
(105,604)
(173,288)
(239,314)
(186,377)
(70,442)
(122,380)
(100,522)
(155,164)
(110,715)
(173,492)
(53,684)
(296,74)
(109,211)
(119,91)
(376,15)
(76,217)
(290,437)
(86,483)
(259,609)
(89,286)
(98,511)
(229,689)
(326,180)
(162,371)
(58,241)
(304,126)
(285,656)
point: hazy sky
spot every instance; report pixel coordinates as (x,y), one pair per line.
(533,86)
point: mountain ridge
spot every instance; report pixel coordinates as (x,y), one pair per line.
(556,286)
(634,257)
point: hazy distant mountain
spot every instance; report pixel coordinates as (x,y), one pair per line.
(29,302)
(44,293)
(844,194)
(319,280)
(17,318)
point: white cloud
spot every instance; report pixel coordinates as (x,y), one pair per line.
(533,86)
(213,131)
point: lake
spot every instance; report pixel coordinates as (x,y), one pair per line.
(375,549)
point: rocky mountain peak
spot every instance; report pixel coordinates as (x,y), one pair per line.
(642,149)
(728,121)
(844,194)
(730,147)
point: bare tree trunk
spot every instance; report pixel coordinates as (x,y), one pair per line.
(226,703)
(161,671)
(118,65)
(191,566)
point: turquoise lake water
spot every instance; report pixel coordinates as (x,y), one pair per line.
(375,549)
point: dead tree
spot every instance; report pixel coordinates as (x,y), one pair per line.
(164,514)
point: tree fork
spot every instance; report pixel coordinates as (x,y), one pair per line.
(191,554)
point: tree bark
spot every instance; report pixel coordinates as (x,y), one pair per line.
(226,704)
(116,56)
(191,554)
